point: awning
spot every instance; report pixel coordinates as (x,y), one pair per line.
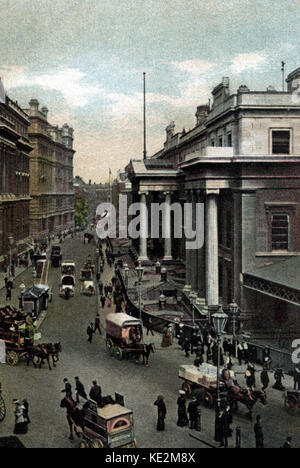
(280,280)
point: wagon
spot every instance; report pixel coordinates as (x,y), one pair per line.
(292,401)
(107,427)
(124,335)
(2,406)
(88,288)
(56,256)
(200,382)
(86,274)
(15,344)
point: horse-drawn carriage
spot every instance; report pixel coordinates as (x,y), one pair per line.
(88,288)
(2,406)
(86,274)
(56,256)
(15,344)
(67,286)
(109,425)
(202,382)
(292,401)
(124,337)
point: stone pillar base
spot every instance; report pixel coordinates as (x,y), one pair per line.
(168,258)
(187,289)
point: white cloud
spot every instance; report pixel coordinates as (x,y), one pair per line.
(248,61)
(69,82)
(194,67)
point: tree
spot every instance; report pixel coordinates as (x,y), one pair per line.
(82,209)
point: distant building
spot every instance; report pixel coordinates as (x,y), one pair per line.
(51,170)
(14,180)
(242,161)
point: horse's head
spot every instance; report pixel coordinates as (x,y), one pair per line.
(261,396)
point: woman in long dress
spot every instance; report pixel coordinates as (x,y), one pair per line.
(182,415)
(161,413)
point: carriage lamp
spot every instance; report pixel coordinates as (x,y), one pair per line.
(158,267)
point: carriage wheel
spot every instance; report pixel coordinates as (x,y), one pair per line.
(97,444)
(84,444)
(12,358)
(119,353)
(2,409)
(208,400)
(291,404)
(187,389)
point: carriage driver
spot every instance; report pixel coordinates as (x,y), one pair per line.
(135,335)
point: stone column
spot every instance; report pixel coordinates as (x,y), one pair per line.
(201,257)
(194,252)
(143,257)
(167,229)
(188,271)
(212,247)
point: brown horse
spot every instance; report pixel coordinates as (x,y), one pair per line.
(236,396)
(75,416)
(44,352)
(146,351)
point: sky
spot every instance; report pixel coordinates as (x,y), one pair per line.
(84,60)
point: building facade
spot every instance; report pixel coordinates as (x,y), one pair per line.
(14,180)
(51,170)
(241,161)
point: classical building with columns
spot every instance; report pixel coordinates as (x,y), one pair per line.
(51,170)
(14,179)
(242,162)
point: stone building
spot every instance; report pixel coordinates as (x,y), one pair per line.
(51,170)
(14,179)
(242,161)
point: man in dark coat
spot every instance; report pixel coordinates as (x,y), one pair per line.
(182,416)
(258,432)
(161,413)
(150,327)
(80,391)
(97,324)
(90,332)
(193,413)
(96,393)
(103,300)
(68,389)
(297,378)
(187,347)
(264,378)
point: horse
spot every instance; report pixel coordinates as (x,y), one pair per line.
(238,395)
(75,416)
(44,352)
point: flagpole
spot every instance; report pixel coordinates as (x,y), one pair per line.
(145,135)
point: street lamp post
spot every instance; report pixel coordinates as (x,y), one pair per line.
(140,270)
(193,298)
(34,275)
(234,310)
(126,271)
(219,321)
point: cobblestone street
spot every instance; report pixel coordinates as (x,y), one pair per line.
(67,322)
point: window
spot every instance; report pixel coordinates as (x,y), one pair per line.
(212,143)
(281,141)
(280,232)
(229,140)
(220,141)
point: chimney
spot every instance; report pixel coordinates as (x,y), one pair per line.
(201,113)
(45,111)
(34,105)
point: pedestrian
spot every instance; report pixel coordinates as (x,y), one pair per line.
(8,294)
(182,415)
(267,358)
(68,389)
(186,347)
(225,430)
(96,393)
(26,411)
(100,286)
(20,422)
(161,413)
(259,435)
(97,325)
(297,378)
(264,378)
(103,300)
(278,375)
(288,443)
(90,332)
(80,391)
(193,413)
